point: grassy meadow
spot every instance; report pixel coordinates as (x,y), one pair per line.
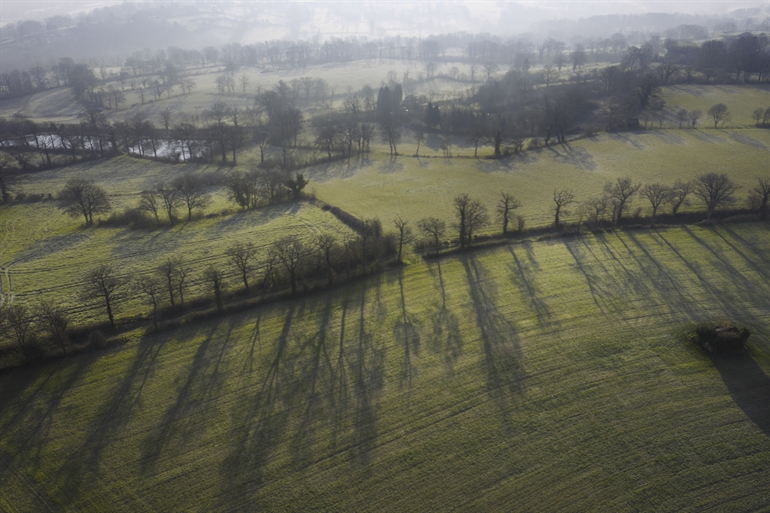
(419,187)
(540,376)
(47,252)
(741,100)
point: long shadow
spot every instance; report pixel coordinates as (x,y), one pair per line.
(369,379)
(727,298)
(760,269)
(309,391)
(748,386)
(502,353)
(602,294)
(445,336)
(26,432)
(749,288)
(577,157)
(253,340)
(83,464)
(759,250)
(406,332)
(258,428)
(189,400)
(675,294)
(521,276)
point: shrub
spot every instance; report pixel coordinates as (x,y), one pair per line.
(721,339)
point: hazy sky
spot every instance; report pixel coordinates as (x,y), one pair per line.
(14,10)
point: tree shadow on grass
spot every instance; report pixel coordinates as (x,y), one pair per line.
(26,431)
(82,466)
(368,369)
(313,390)
(522,277)
(749,289)
(406,332)
(601,284)
(748,386)
(202,383)
(502,354)
(338,169)
(577,157)
(258,426)
(445,335)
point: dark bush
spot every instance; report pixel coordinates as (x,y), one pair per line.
(721,339)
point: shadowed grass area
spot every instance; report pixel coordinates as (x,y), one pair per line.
(536,377)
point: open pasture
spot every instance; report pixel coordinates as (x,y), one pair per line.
(415,188)
(46,252)
(539,376)
(741,100)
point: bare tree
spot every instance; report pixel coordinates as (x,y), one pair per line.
(216,280)
(192,192)
(678,195)
(419,136)
(290,251)
(758,114)
(169,197)
(82,197)
(695,115)
(506,205)
(681,116)
(461,204)
(719,113)
(168,270)
(325,244)
(759,195)
(150,286)
(390,128)
(434,229)
(714,190)
(620,192)
(150,201)
(596,208)
(561,199)
(477,218)
(490,68)
(656,194)
(18,319)
(404,234)
(477,131)
(54,321)
(242,256)
(103,283)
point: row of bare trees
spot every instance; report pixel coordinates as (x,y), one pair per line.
(712,190)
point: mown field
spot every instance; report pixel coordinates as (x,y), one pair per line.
(47,253)
(547,375)
(415,188)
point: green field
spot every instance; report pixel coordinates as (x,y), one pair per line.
(47,252)
(415,188)
(741,100)
(541,376)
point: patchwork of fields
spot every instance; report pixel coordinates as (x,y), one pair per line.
(540,376)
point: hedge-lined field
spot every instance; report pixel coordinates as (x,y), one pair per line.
(541,376)
(415,188)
